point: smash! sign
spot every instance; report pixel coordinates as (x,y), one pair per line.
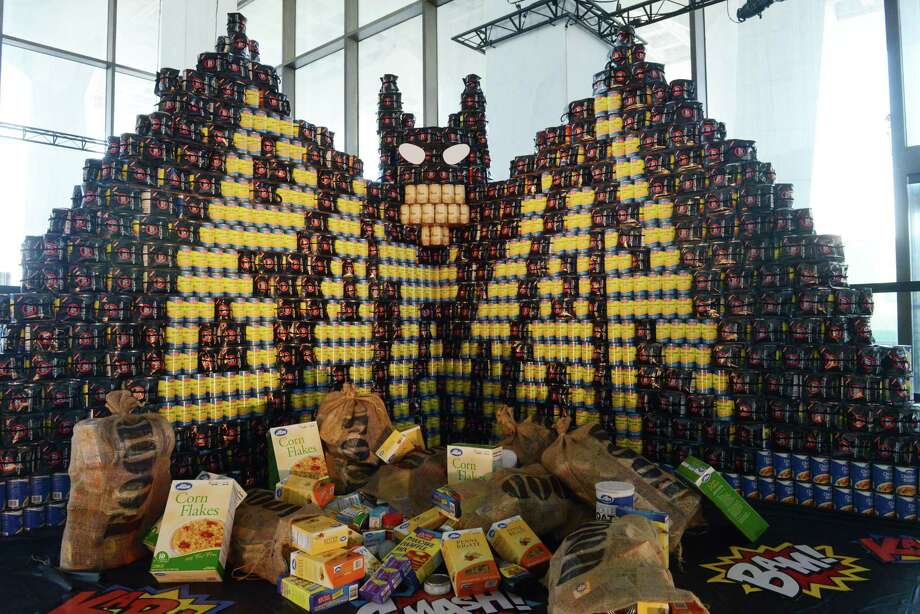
(496,602)
(788,570)
(124,600)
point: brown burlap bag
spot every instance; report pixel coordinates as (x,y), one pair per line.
(352,424)
(530,492)
(119,476)
(606,566)
(407,485)
(587,456)
(347,475)
(261,541)
(527,438)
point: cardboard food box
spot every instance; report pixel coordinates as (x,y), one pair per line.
(319,534)
(423,549)
(414,435)
(295,449)
(472,462)
(515,541)
(469,562)
(429,519)
(395,446)
(371,562)
(355,516)
(299,490)
(195,531)
(313,597)
(711,483)
(330,569)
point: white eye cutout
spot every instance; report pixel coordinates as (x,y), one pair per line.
(456,153)
(413,154)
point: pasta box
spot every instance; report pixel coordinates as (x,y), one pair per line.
(330,569)
(469,562)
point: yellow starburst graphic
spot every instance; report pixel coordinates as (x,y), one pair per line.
(838,569)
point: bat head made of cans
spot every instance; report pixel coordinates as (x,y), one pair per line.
(433,169)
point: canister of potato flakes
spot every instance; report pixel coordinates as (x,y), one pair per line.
(804,494)
(905,508)
(822,496)
(884,505)
(863,502)
(785,491)
(840,472)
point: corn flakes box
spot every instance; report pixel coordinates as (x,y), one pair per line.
(295,449)
(469,562)
(319,534)
(314,597)
(472,462)
(330,569)
(195,530)
(515,541)
(299,490)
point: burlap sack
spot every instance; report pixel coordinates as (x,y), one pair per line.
(119,476)
(407,485)
(587,456)
(527,438)
(261,541)
(530,492)
(347,475)
(604,566)
(352,424)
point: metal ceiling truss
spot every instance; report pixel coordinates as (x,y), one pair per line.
(587,14)
(51,137)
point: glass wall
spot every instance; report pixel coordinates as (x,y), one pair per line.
(320,90)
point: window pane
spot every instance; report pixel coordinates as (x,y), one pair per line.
(137,29)
(784,81)
(133,96)
(370,10)
(668,42)
(397,51)
(909,12)
(318,22)
(35,178)
(320,88)
(65,24)
(885,318)
(46,92)
(263,23)
(454,60)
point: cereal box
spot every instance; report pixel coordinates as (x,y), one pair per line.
(414,435)
(296,449)
(515,541)
(430,519)
(469,562)
(423,549)
(471,462)
(319,534)
(330,569)
(313,597)
(395,446)
(195,531)
(299,490)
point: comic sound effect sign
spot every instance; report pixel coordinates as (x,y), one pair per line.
(124,600)
(496,602)
(788,570)
(893,549)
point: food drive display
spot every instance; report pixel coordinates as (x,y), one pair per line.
(341,355)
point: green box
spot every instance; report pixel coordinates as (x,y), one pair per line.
(711,483)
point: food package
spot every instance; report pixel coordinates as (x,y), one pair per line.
(319,534)
(407,484)
(119,473)
(471,462)
(469,562)
(587,456)
(516,542)
(300,490)
(606,566)
(353,424)
(295,449)
(314,597)
(527,439)
(330,569)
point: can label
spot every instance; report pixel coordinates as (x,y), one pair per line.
(785,492)
(767,489)
(34,517)
(763,461)
(861,475)
(804,494)
(39,489)
(840,473)
(11,523)
(884,505)
(863,503)
(843,499)
(17,493)
(905,508)
(905,481)
(749,487)
(56,514)
(782,465)
(820,470)
(733,480)
(883,478)
(822,497)
(801,468)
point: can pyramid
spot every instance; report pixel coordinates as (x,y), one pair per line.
(640,271)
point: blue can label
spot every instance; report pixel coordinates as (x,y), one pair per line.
(905,508)
(883,478)
(801,468)
(56,514)
(767,489)
(39,489)
(840,472)
(60,486)
(17,493)
(10,523)
(862,502)
(734,480)
(884,505)
(820,470)
(34,517)
(749,487)
(782,465)
(2,496)
(843,499)
(804,494)
(822,497)
(785,492)
(861,475)
(763,461)
(905,481)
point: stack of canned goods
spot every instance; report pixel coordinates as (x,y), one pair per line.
(29,504)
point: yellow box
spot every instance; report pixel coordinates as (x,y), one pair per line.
(394,447)
(515,541)
(330,569)
(318,534)
(300,490)
(314,597)
(469,562)
(423,549)
(471,462)
(429,519)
